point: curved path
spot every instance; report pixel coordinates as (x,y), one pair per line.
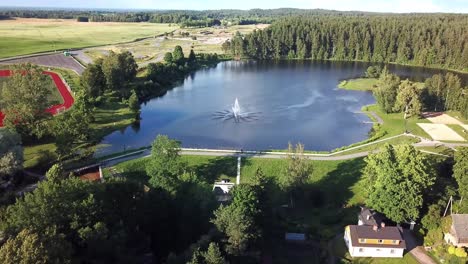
(62,88)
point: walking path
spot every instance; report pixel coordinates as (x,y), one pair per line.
(415,250)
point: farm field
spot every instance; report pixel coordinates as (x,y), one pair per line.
(201,40)
(26,35)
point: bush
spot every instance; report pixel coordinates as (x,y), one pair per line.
(460,252)
(451,250)
(433,236)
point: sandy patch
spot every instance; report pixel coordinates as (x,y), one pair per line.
(441,132)
(438,118)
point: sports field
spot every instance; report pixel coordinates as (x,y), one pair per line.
(29,35)
(60,97)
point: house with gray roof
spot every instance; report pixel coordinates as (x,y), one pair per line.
(458,234)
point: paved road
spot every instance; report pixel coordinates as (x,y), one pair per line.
(49,60)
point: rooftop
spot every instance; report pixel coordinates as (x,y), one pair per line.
(460,225)
(384,233)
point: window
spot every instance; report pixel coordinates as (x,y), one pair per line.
(392,251)
(362,240)
(380,241)
(361,250)
(395,241)
(378,249)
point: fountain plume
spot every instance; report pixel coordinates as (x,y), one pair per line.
(236,113)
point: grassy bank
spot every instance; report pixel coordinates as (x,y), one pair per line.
(359,84)
(22,36)
(209,168)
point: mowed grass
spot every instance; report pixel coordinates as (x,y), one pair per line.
(360,84)
(394,123)
(208,168)
(54,96)
(25,36)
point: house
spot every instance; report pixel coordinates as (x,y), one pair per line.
(370,217)
(374,241)
(458,234)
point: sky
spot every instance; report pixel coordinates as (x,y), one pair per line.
(398,6)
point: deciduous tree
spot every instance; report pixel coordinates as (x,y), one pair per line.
(11,152)
(24,99)
(398,179)
(165,165)
(408,99)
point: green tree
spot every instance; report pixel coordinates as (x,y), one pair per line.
(119,69)
(24,99)
(165,165)
(297,172)
(56,173)
(460,173)
(237,227)
(72,128)
(178,55)
(93,79)
(408,99)
(29,247)
(192,58)
(213,254)
(133,102)
(387,89)
(373,72)
(398,179)
(11,152)
(168,57)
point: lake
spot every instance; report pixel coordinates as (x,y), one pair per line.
(287,101)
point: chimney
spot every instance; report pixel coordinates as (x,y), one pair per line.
(375,228)
(382,225)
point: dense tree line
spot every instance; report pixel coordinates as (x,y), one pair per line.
(439,93)
(425,40)
(231,16)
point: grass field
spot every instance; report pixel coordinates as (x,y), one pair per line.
(360,84)
(209,168)
(201,40)
(26,35)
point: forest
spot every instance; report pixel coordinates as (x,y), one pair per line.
(436,40)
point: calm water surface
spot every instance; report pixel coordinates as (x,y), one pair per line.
(293,102)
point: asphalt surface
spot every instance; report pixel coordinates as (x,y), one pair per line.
(49,60)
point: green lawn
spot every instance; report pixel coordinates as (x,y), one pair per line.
(394,124)
(360,84)
(460,131)
(325,205)
(25,36)
(209,168)
(54,97)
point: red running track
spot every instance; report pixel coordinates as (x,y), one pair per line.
(62,88)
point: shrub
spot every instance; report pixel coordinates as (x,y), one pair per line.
(460,252)
(451,250)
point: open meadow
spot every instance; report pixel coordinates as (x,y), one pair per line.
(22,36)
(201,40)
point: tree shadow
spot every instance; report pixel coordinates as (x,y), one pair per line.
(211,171)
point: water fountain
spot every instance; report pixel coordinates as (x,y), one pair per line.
(236,113)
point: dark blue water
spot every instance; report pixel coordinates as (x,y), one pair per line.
(293,102)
